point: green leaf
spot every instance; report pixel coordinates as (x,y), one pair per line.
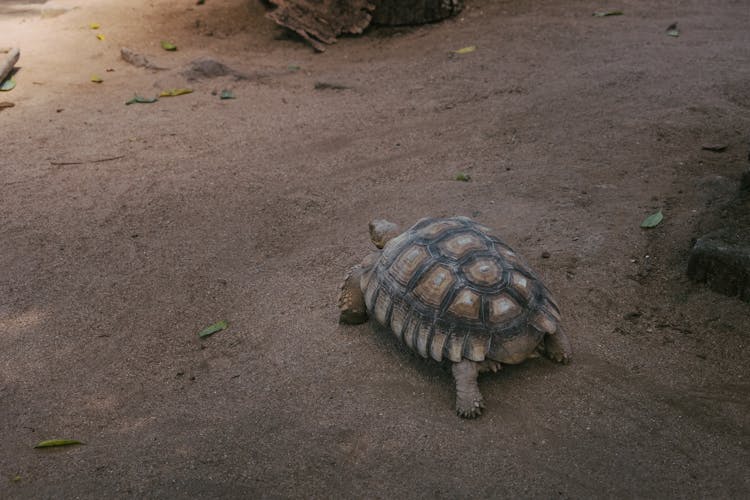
(605,13)
(294,67)
(100,36)
(168,45)
(174,92)
(142,100)
(463,177)
(94,26)
(57,442)
(96,79)
(210,330)
(7,85)
(466,50)
(672,30)
(226,94)
(652,220)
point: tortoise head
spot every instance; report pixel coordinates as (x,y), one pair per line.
(382,231)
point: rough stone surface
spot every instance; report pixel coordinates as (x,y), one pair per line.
(400,12)
(721,258)
(745,183)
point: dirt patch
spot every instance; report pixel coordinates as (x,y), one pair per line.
(572,128)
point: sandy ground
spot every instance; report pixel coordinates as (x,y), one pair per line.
(124,230)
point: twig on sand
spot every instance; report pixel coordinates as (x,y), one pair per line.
(100,160)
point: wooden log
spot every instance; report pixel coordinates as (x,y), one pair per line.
(321,21)
(8,59)
(401,12)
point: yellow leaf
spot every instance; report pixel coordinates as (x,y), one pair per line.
(96,79)
(174,92)
(466,50)
(94,26)
(100,36)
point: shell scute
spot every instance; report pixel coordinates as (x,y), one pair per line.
(434,285)
(466,304)
(406,264)
(484,271)
(459,245)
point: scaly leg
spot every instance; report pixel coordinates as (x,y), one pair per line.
(469,401)
(351,300)
(557,347)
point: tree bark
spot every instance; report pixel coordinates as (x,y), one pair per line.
(321,21)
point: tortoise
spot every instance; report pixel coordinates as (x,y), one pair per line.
(451,290)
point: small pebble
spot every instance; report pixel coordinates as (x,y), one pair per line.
(546,255)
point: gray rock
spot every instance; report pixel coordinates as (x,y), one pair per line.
(205,67)
(722,260)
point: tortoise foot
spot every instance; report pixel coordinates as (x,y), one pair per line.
(557,347)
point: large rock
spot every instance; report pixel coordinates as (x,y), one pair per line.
(400,12)
(721,258)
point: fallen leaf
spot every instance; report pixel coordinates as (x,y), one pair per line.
(174,92)
(466,50)
(96,79)
(57,442)
(226,94)
(672,30)
(210,330)
(200,2)
(463,177)
(605,13)
(652,220)
(6,104)
(94,26)
(168,45)
(141,100)
(293,67)
(100,36)
(716,148)
(7,85)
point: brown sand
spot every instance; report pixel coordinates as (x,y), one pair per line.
(126,229)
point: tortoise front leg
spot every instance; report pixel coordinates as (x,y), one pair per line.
(557,346)
(469,401)
(351,299)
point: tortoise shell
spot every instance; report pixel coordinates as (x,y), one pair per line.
(451,289)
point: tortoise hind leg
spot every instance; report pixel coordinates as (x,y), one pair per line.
(351,299)
(557,346)
(469,401)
